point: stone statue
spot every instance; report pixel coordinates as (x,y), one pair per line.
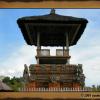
(26,74)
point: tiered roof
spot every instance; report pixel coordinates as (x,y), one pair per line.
(52,28)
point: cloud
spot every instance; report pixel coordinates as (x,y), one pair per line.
(14,64)
(89,57)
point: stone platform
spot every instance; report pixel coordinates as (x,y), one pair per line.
(54,76)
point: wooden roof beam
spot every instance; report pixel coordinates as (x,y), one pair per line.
(28,33)
(75,33)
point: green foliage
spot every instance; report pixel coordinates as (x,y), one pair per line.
(98,88)
(6,80)
(15,83)
(95,88)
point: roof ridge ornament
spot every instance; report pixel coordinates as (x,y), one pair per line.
(52,11)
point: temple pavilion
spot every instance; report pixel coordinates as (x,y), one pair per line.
(55,31)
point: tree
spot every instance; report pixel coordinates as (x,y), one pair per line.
(94,88)
(6,80)
(98,88)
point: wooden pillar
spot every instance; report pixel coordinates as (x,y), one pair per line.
(63,50)
(67,42)
(38,40)
(38,46)
(67,46)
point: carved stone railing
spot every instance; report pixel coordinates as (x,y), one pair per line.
(61,52)
(46,52)
(55,89)
(43,52)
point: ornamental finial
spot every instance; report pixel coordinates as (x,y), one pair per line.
(52,11)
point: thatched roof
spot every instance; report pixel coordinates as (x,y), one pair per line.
(52,28)
(4,87)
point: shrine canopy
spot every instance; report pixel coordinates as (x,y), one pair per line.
(52,29)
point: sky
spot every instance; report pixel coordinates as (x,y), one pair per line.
(14,52)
